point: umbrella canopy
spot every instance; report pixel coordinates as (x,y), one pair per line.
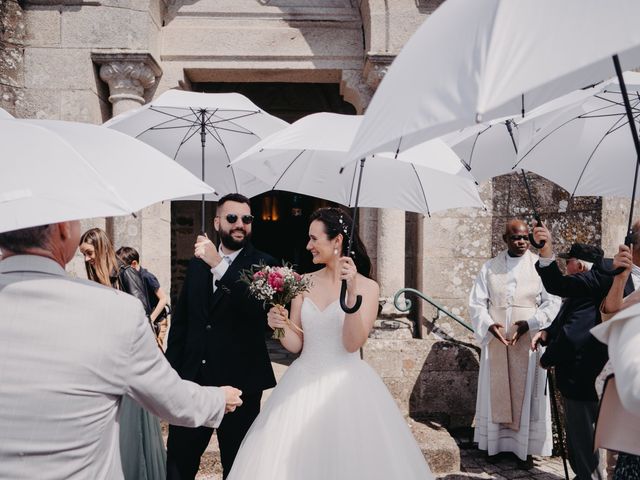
(56,171)
(203,132)
(491,149)
(5,114)
(306,158)
(501,58)
(586,149)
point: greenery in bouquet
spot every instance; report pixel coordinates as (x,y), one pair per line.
(275,286)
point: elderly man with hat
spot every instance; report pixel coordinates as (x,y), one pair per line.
(578,358)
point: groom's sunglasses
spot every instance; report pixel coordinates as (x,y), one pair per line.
(233,218)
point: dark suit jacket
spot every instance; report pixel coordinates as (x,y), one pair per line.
(576,354)
(218,339)
(592,284)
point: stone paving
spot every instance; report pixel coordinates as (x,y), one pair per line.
(474,466)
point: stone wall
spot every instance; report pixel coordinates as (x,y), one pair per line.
(12,40)
(430,379)
(570,220)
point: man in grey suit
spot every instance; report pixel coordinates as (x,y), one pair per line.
(69,350)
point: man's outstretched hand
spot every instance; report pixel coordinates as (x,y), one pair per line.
(231,398)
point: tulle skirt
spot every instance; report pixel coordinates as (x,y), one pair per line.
(333,423)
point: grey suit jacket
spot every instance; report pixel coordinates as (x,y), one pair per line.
(69,350)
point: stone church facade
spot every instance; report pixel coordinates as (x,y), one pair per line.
(88,60)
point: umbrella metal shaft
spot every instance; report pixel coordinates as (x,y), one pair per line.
(636,140)
(203,142)
(343,287)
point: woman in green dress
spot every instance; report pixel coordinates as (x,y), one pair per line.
(142,451)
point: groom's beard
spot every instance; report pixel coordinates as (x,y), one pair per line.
(231,243)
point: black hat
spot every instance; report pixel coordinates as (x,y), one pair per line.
(582,251)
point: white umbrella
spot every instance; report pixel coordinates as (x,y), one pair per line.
(484,59)
(586,149)
(54,171)
(306,157)
(5,114)
(491,149)
(203,132)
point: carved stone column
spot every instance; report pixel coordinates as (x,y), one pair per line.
(132,78)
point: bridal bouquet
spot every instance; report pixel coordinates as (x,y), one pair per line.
(275,286)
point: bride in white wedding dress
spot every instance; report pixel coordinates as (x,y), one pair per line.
(330,417)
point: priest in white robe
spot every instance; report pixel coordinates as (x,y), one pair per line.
(508,305)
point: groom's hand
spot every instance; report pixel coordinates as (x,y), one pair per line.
(231,398)
(205,250)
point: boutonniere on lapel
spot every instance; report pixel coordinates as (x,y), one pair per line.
(223,287)
(275,286)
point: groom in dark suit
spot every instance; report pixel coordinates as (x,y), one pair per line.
(217,336)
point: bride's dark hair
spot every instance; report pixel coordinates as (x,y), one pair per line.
(337,221)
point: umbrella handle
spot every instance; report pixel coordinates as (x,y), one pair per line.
(343,300)
(531,239)
(616,271)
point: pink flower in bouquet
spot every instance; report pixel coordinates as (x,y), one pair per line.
(276,280)
(275,286)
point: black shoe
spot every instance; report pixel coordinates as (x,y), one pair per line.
(492,459)
(525,464)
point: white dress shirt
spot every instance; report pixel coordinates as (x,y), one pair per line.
(219,270)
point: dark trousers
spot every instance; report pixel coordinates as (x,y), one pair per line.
(580,418)
(185,445)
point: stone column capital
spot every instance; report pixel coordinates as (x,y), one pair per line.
(354,90)
(375,68)
(131,76)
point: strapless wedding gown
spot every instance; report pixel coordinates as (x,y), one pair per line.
(330,417)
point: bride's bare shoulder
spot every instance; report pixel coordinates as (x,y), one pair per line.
(369,284)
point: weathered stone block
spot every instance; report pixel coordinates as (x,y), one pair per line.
(11,65)
(105,27)
(12,23)
(58,69)
(450,278)
(81,106)
(455,237)
(43,27)
(38,103)
(247,40)
(437,445)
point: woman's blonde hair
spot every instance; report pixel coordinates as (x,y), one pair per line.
(106,263)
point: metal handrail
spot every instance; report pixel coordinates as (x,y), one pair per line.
(439,308)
